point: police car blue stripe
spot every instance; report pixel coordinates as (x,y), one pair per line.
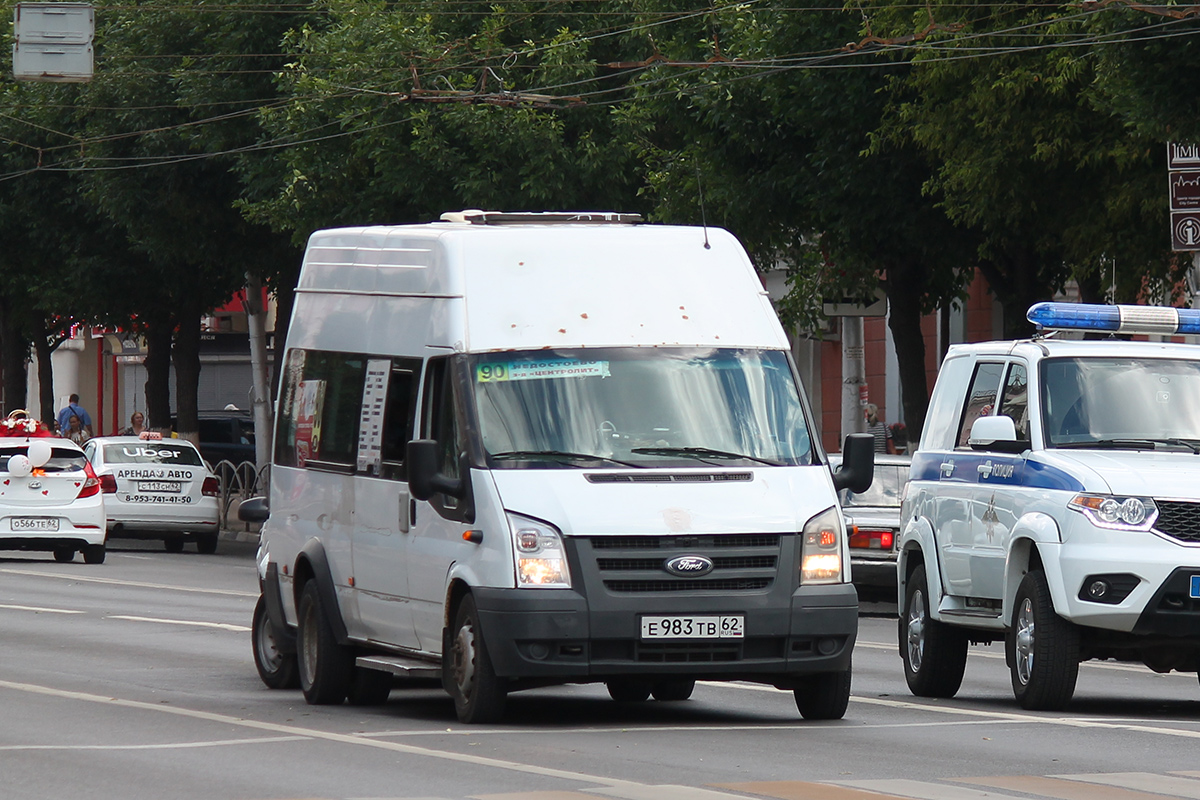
(991,468)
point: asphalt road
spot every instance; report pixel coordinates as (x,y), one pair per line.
(134,679)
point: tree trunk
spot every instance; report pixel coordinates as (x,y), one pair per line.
(14,352)
(186,357)
(46,381)
(158,373)
(906,287)
(285,298)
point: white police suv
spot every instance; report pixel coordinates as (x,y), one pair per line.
(1054,504)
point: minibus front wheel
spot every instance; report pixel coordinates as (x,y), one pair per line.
(478,693)
(326,667)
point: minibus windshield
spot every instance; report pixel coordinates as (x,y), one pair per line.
(1121,403)
(641,407)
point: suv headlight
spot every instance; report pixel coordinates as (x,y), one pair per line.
(539,554)
(821,549)
(1117,513)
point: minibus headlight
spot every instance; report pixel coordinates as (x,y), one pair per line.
(539,554)
(821,549)
(1116,513)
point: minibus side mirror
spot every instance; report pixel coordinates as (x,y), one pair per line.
(858,464)
(424,480)
(254,510)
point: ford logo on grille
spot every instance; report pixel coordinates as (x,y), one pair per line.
(689,566)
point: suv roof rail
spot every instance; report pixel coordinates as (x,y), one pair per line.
(475,216)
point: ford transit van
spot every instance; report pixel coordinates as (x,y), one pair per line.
(515,450)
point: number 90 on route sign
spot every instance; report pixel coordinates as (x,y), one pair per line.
(731,626)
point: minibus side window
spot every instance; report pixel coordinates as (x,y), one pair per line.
(319,410)
(398,416)
(440,422)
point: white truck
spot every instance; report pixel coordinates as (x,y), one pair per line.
(515,450)
(1054,505)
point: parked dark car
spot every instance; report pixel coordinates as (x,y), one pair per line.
(225,436)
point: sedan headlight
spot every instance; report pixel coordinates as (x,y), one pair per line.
(821,549)
(1116,513)
(539,554)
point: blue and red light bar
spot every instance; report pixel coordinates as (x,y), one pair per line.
(1162,320)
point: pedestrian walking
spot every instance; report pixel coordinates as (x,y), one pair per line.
(73,407)
(877,428)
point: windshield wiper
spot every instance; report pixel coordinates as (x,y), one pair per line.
(561,454)
(1133,444)
(699,452)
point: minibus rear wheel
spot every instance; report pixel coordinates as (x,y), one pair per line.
(326,667)
(478,693)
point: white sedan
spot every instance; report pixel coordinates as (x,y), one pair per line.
(50,499)
(157,488)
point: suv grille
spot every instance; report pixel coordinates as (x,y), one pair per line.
(1179,520)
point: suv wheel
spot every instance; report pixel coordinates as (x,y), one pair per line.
(935,654)
(1042,648)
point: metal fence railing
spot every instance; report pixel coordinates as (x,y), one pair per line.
(239,482)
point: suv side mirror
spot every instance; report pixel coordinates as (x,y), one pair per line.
(424,480)
(254,510)
(997,433)
(858,464)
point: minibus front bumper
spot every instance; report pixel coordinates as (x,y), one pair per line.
(557,635)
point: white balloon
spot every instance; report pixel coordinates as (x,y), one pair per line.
(39,452)
(19,466)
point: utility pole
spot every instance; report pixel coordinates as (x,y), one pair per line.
(854,376)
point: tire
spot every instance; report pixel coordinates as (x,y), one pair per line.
(277,670)
(326,667)
(94,553)
(478,693)
(63,556)
(673,690)
(173,545)
(935,654)
(628,690)
(1042,648)
(823,696)
(369,687)
(206,543)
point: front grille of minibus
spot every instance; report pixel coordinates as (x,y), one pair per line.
(1179,520)
(637,564)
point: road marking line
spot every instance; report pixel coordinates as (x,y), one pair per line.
(341,738)
(43,610)
(225,626)
(1143,670)
(923,790)
(160,746)
(1142,781)
(116,582)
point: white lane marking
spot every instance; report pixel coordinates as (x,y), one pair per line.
(1142,781)
(116,582)
(225,626)
(922,790)
(1082,664)
(159,746)
(663,791)
(341,738)
(43,610)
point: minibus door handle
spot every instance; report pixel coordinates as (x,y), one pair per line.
(412,514)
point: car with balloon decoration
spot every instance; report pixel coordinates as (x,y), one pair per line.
(50,498)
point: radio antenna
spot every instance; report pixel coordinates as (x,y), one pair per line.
(703,219)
